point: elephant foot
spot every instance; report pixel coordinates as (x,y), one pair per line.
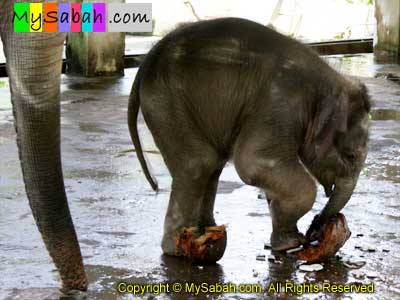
(205,248)
(281,241)
(74,285)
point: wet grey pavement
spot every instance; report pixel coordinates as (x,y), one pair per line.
(119,219)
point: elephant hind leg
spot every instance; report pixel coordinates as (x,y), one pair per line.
(193,174)
(289,187)
(190,175)
(207,207)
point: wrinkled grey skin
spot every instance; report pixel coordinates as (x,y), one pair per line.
(231,88)
(34,68)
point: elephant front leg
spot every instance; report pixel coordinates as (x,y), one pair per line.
(285,234)
(293,197)
(289,187)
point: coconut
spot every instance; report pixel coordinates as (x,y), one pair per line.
(331,236)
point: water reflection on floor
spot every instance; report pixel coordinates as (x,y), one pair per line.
(364,65)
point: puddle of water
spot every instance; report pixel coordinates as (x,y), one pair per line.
(123,152)
(255,214)
(91,127)
(103,278)
(122,234)
(385,172)
(356,65)
(364,65)
(388,76)
(227,187)
(385,115)
(91,174)
(94,84)
(79,100)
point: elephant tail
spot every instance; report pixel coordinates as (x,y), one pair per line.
(133,110)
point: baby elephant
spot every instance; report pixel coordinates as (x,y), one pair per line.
(234,89)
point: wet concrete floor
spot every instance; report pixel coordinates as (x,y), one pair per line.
(119,219)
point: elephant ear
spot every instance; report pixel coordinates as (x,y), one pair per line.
(331,118)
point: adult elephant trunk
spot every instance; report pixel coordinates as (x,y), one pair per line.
(342,192)
(34,67)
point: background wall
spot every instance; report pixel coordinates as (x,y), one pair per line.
(307,19)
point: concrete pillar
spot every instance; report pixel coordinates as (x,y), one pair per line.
(387,37)
(96,54)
